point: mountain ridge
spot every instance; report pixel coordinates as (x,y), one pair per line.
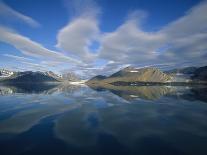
(7,76)
(148,76)
(29,77)
(131,74)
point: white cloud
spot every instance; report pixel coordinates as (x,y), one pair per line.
(34,66)
(180,42)
(130,43)
(31,48)
(8,13)
(30,62)
(193,22)
(185,39)
(51,63)
(81,31)
(19,58)
(79,8)
(188,36)
(76,37)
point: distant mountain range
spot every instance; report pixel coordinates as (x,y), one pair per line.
(200,74)
(126,76)
(29,76)
(5,73)
(7,76)
(146,76)
(192,73)
(186,70)
(70,76)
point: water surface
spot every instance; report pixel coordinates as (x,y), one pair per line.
(69,119)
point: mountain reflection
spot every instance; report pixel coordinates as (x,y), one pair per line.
(100,117)
(155,92)
(133,92)
(128,93)
(37,88)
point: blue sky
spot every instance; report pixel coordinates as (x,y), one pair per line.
(99,37)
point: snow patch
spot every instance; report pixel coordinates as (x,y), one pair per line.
(179,74)
(134,71)
(134,96)
(78,83)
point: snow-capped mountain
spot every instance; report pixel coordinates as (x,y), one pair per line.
(5,73)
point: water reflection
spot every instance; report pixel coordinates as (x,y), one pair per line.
(128,93)
(100,120)
(136,126)
(37,88)
(133,92)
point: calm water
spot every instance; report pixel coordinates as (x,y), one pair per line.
(114,120)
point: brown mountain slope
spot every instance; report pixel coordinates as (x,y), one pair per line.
(131,74)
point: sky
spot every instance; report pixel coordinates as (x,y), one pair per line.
(91,37)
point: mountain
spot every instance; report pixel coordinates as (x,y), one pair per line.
(182,74)
(98,78)
(189,74)
(141,74)
(131,74)
(69,76)
(200,74)
(52,74)
(186,70)
(29,77)
(5,73)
